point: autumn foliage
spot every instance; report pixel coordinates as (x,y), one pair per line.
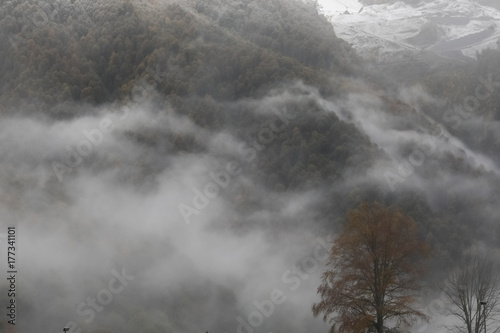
(374,273)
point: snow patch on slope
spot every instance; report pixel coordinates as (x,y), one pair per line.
(457,28)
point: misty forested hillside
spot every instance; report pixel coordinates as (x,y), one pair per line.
(99,54)
(201,150)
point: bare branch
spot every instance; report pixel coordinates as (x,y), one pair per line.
(474,291)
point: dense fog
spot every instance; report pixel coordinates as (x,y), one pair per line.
(198,185)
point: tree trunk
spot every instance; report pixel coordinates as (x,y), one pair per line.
(380,323)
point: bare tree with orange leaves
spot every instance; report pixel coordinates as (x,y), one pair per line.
(375,266)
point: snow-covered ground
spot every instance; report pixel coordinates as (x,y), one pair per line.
(447,27)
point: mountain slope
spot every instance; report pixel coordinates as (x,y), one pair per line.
(386,29)
(59,58)
(193,159)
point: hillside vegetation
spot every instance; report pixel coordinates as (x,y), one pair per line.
(263,84)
